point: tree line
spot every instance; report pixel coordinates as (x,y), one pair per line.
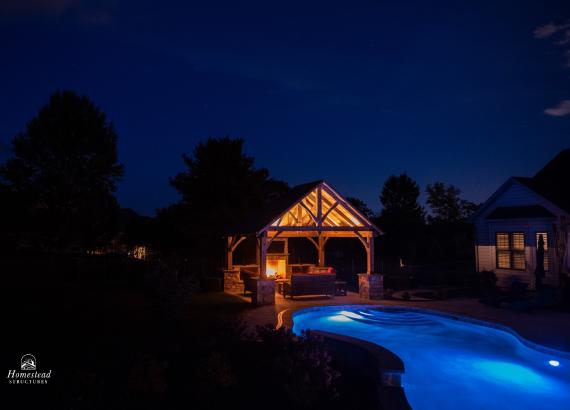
(58,191)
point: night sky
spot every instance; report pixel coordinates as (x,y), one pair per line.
(465,92)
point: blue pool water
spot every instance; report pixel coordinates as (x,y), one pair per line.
(451,364)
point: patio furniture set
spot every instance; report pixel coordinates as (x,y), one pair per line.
(301,284)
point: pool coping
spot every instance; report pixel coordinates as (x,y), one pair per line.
(285,318)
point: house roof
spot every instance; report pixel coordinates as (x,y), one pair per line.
(551,182)
(522,212)
(553,191)
(298,208)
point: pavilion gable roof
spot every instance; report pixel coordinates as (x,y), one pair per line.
(312,206)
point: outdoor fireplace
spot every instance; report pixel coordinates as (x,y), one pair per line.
(276,266)
(277,258)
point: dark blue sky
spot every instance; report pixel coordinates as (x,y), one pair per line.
(349,91)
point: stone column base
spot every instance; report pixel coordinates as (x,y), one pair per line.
(232,281)
(265,292)
(371,286)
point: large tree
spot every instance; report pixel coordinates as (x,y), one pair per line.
(64,171)
(399,198)
(220,186)
(401,217)
(446,204)
(450,236)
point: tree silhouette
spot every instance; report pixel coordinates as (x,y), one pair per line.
(219,187)
(446,205)
(401,217)
(399,198)
(221,183)
(361,206)
(63,173)
(450,236)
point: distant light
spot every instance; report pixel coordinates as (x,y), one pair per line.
(554,363)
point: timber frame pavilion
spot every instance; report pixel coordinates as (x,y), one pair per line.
(314,211)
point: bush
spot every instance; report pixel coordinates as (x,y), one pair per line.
(299,365)
(225,366)
(487,280)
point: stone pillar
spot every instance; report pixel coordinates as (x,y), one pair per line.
(370,286)
(265,292)
(232,281)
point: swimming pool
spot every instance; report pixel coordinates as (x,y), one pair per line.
(450,363)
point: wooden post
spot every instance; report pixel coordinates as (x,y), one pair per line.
(230,253)
(257,250)
(263,256)
(370,252)
(321,250)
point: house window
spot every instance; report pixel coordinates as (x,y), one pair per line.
(510,250)
(545,239)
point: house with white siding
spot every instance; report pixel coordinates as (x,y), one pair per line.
(509,224)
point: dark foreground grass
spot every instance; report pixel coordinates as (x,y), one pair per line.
(148,345)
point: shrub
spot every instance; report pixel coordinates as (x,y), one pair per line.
(487,280)
(299,365)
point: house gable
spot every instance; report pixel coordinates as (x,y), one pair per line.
(514,193)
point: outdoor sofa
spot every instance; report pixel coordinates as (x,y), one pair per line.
(310,284)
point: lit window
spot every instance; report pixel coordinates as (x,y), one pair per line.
(510,250)
(545,239)
(517,241)
(503,241)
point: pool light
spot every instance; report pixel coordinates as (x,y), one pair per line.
(351,315)
(554,363)
(339,318)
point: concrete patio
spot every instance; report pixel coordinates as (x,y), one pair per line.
(550,328)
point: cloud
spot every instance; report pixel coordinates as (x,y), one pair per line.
(549,29)
(561,36)
(561,110)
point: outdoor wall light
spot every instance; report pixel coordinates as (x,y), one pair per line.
(554,363)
